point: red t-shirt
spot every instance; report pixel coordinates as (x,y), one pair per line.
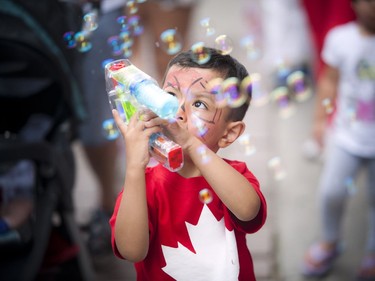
(193,236)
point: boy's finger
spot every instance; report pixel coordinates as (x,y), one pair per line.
(134,119)
(120,124)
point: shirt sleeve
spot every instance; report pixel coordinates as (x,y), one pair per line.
(112,223)
(255,224)
(330,54)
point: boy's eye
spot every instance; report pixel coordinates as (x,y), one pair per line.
(200,104)
(172,94)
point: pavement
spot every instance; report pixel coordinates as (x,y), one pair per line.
(292,223)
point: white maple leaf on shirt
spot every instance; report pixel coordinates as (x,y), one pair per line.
(216,255)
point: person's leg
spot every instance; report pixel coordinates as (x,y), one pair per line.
(339,170)
(156,18)
(341,167)
(103,160)
(367,268)
(177,17)
(101,153)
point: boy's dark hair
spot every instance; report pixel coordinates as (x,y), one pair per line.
(225,65)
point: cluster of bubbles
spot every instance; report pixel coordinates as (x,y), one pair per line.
(293,86)
(121,44)
(225,44)
(231,91)
(81,40)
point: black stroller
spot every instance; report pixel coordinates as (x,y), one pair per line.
(40,104)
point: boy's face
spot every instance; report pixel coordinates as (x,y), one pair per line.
(198,112)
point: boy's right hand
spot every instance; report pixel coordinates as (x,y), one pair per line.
(136,137)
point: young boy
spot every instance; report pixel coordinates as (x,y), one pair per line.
(190,224)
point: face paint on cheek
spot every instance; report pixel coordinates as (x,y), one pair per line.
(201,126)
(210,118)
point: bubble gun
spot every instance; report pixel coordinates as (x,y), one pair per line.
(130,89)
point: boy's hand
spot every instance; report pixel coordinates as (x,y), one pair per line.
(136,136)
(173,130)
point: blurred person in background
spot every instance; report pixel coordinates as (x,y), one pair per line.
(100,150)
(322,16)
(348,76)
(157,16)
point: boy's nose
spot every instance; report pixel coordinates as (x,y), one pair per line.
(181,114)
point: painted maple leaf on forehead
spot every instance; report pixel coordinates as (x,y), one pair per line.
(215,256)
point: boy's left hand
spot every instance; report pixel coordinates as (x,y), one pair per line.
(173,130)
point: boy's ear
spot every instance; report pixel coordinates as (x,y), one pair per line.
(234,131)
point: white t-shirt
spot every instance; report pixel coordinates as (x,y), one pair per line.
(353,54)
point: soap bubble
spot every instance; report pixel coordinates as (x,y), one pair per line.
(215,87)
(328,105)
(246,86)
(69,39)
(224,44)
(248,43)
(200,55)
(245,142)
(132,6)
(171,41)
(122,20)
(110,129)
(106,61)
(199,125)
(205,196)
(82,41)
(281,96)
(135,25)
(259,96)
(90,21)
(202,151)
(298,85)
(126,38)
(115,43)
(277,169)
(205,23)
(235,97)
